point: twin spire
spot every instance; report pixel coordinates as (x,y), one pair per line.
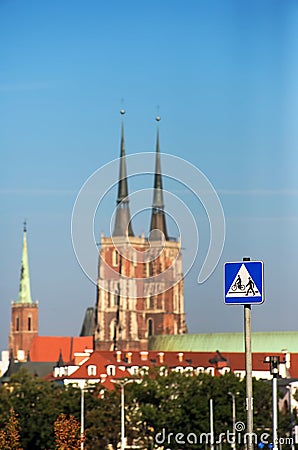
(123,219)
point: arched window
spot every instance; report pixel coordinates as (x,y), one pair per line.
(151,302)
(150,327)
(29,323)
(113,329)
(17,324)
(151,269)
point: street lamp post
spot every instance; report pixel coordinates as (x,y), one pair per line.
(233,417)
(84,386)
(274,370)
(82,417)
(211,420)
(290,392)
(122,384)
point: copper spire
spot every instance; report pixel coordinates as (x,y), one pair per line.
(24,289)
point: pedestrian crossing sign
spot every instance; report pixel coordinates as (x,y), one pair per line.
(244,283)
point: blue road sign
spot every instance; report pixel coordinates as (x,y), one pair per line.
(244,283)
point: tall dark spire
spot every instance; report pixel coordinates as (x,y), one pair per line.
(158,219)
(123,221)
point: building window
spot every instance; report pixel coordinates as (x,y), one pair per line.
(113,330)
(134,370)
(210,371)
(151,303)
(29,323)
(111,370)
(115,258)
(17,324)
(91,370)
(151,269)
(112,297)
(150,328)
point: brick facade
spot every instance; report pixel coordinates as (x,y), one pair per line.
(147,299)
(23,328)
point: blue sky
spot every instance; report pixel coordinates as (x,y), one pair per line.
(223,77)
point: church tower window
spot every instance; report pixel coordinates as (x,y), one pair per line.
(151,304)
(150,327)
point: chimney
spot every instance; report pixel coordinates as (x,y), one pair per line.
(161,357)
(118,356)
(144,356)
(287,363)
(180,357)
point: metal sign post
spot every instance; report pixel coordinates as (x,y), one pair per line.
(244,285)
(248,370)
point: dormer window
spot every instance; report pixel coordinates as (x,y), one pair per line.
(91,370)
(111,370)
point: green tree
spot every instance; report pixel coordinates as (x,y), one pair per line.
(102,424)
(38,403)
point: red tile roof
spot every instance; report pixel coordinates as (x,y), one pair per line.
(48,348)
(125,360)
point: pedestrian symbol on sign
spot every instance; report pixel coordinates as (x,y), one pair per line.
(250,285)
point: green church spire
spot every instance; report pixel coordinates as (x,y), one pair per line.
(24,290)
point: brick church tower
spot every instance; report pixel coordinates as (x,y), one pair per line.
(24,313)
(140,283)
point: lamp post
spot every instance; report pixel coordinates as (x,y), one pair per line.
(84,386)
(274,370)
(82,417)
(122,384)
(233,417)
(290,392)
(211,420)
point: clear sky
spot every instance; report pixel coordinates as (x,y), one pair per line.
(223,77)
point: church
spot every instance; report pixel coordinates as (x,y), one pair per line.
(140,290)
(140,283)
(139,308)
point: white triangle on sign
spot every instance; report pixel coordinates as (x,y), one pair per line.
(243,285)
